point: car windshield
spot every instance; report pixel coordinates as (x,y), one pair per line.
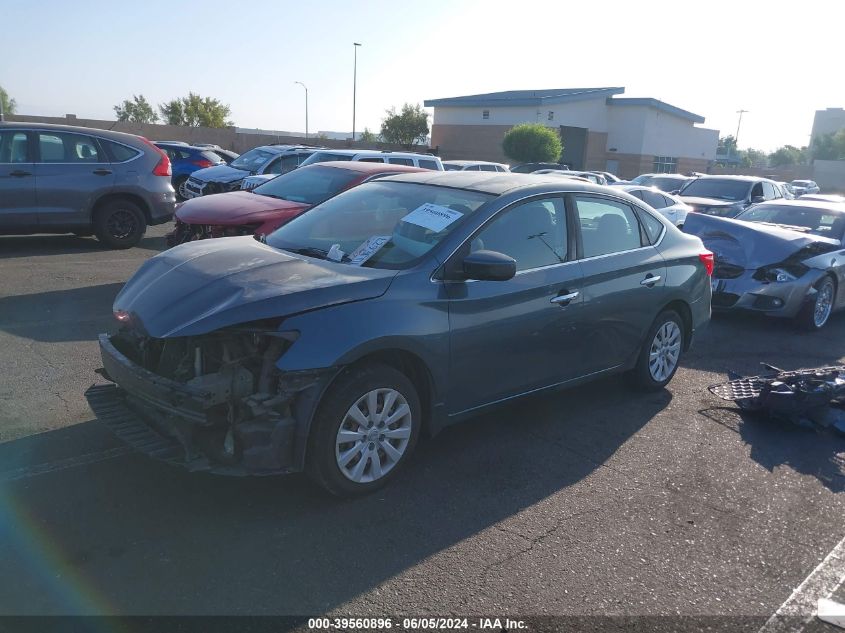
(643,179)
(324,157)
(310,185)
(718,188)
(379,224)
(667,183)
(801,183)
(251,160)
(822,222)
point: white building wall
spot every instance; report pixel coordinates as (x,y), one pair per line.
(626,129)
(651,132)
(828,121)
(591,114)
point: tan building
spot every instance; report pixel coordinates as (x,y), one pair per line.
(599,130)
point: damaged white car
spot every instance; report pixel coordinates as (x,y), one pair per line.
(782,258)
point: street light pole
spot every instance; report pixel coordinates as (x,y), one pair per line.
(736,138)
(306,107)
(354,86)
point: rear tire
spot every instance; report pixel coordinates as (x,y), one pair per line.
(119,224)
(661,353)
(366,426)
(815,314)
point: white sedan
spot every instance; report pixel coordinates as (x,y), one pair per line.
(664,203)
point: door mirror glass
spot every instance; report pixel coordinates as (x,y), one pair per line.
(489,266)
(757,199)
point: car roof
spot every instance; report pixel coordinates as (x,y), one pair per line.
(77,129)
(283,149)
(496,183)
(470,162)
(798,203)
(733,177)
(366,168)
(375,152)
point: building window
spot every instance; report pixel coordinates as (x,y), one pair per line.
(485,114)
(665,164)
(551,116)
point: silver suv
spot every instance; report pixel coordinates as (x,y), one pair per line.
(66,179)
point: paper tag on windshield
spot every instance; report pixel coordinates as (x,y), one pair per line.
(432,217)
(368,249)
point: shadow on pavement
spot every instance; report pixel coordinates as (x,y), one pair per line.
(43,245)
(774,443)
(75,314)
(134,536)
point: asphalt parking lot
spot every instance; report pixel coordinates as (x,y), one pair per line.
(596,501)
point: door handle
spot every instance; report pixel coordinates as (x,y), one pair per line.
(102,172)
(564,299)
(650,281)
(19,173)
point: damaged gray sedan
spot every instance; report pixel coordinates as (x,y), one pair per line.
(782,258)
(397,307)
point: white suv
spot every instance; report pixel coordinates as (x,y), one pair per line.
(411,159)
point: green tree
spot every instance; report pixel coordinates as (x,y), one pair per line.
(753,158)
(829,146)
(10,106)
(727,145)
(137,111)
(196,111)
(787,155)
(368,137)
(532,143)
(406,127)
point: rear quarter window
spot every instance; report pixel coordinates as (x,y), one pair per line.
(117,152)
(430,164)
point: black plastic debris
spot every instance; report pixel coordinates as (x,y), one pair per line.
(809,397)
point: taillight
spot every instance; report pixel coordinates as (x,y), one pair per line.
(707,259)
(202,162)
(162,167)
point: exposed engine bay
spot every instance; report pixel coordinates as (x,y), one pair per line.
(219,395)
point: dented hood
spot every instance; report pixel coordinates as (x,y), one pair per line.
(236,207)
(752,244)
(205,285)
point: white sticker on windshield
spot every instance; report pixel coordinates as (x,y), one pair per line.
(368,249)
(432,216)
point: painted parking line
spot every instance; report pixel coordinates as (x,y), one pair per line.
(64,464)
(802,606)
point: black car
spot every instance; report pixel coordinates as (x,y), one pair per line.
(400,306)
(728,196)
(68,179)
(528,168)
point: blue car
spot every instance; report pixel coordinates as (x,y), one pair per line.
(186,159)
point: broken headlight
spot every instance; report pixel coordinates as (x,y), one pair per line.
(780,273)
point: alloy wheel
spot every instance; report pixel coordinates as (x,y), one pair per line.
(373,435)
(121,224)
(665,351)
(824,304)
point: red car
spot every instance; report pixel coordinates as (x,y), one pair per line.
(267,207)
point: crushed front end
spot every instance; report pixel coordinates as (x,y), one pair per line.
(214,402)
(184,232)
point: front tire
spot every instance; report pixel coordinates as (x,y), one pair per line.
(366,426)
(816,313)
(661,352)
(119,224)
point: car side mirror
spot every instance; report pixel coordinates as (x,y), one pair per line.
(757,199)
(674,192)
(489,266)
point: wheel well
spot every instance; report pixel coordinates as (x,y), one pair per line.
(110,197)
(684,311)
(414,368)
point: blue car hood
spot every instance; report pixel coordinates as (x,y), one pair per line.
(202,286)
(220,173)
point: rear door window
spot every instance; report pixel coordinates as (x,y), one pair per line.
(428,164)
(769,191)
(401,161)
(607,226)
(63,147)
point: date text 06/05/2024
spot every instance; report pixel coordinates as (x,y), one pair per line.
(415,624)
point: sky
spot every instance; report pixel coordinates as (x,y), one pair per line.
(781,61)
